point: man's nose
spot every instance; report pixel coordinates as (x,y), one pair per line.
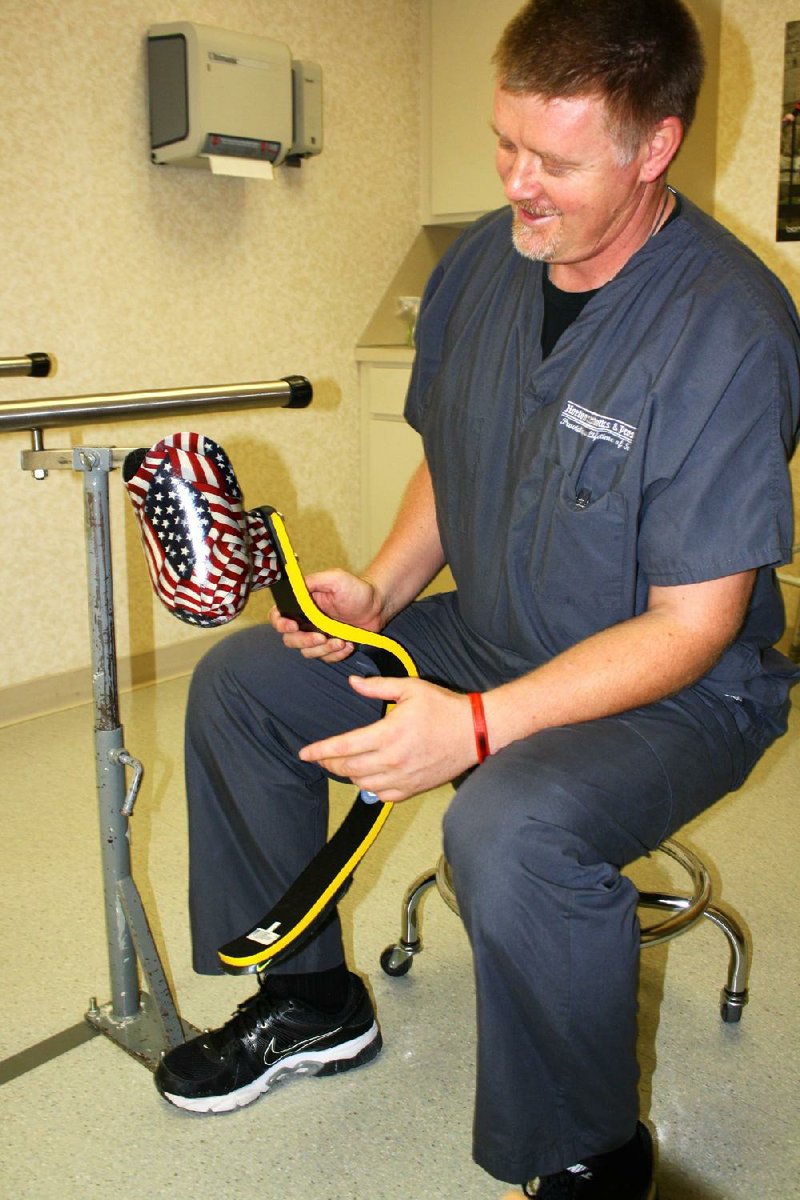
(521,178)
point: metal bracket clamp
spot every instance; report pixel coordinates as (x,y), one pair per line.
(82,458)
(127,760)
(93,458)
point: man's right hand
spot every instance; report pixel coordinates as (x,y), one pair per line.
(406,563)
(342,596)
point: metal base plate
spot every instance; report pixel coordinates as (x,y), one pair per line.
(141,1036)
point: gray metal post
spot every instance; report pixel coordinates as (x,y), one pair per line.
(141,1023)
(110,773)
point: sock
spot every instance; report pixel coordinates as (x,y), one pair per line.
(629,1168)
(325,990)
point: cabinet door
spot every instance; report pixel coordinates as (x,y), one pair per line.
(395,452)
(392,451)
(460,177)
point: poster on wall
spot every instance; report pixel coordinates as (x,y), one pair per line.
(789,186)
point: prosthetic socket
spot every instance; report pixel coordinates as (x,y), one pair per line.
(205,554)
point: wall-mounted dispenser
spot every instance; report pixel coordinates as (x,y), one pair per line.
(307,109)
(229,102)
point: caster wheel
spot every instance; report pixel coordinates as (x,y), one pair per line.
(396,961)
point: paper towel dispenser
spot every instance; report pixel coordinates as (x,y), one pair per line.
(216,95)
(307,109)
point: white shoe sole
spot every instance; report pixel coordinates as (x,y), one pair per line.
(306,1062)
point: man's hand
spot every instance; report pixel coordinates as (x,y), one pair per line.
(340,595)
(425,740)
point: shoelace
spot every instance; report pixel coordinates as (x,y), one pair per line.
(241,1023)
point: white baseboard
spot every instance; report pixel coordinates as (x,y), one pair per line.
(37,697)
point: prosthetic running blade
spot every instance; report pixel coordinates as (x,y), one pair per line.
(300,913)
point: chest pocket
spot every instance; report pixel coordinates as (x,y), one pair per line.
(579,556)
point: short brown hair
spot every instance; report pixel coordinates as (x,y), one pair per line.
(643,57)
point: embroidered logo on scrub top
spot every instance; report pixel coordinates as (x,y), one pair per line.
(597,427)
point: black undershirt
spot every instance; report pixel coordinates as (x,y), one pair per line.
(562,308)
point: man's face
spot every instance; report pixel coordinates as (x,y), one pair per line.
(575,199)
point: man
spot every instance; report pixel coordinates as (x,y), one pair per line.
(607,388)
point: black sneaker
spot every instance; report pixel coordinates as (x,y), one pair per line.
(267,1039)
(624,1174)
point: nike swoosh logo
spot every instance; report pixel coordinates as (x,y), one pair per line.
(271,1055)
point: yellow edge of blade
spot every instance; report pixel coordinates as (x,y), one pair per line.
(348,633)
(334,628)
(270,951)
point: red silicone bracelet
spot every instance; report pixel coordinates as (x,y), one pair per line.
(479,725)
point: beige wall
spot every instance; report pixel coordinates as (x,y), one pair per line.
(751,92)
(145,277)
(137,277)
(748,138)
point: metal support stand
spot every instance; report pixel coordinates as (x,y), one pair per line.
(144,1024)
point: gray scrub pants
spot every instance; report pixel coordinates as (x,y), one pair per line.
(535,838)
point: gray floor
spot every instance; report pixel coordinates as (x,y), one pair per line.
(88,1123)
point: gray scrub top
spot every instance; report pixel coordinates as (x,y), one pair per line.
(651,447)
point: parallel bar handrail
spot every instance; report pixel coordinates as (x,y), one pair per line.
(27,364)
(292,392)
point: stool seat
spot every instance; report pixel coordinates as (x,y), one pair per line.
(684,912)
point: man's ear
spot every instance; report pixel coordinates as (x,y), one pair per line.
(662,146)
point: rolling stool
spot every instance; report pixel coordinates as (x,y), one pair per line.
(684,912)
